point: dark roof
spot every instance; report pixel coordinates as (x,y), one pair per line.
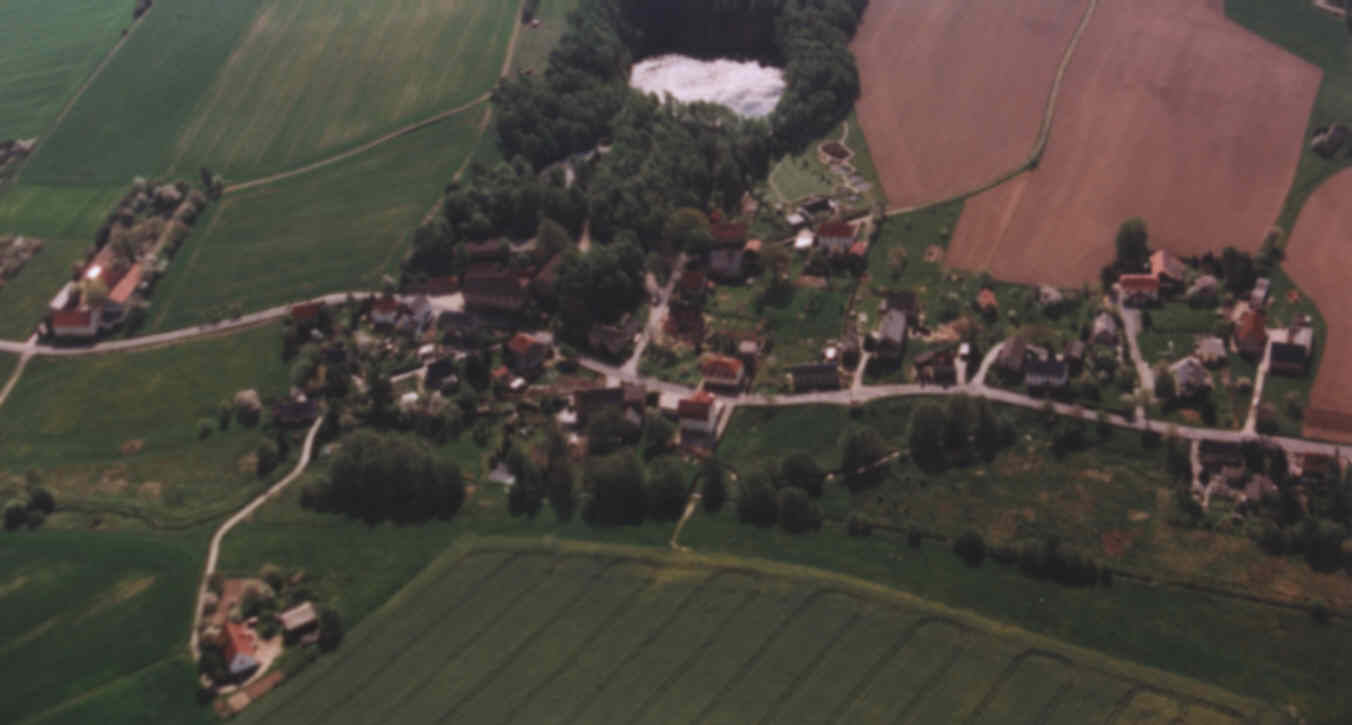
(904,300)
(493,248)
(1045,368)
(1012,354)
(728,234)
(493,281)
(588,401)
(1289,353)
(1075,349)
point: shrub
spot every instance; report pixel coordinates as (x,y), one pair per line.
(269,455)
(376,477)
(330,630)
(864,448)
(16,513)
(714,489)
(669,492)
(798,513)
(801,471)
(857,525)
(619,493)
(35,519)
(971,548)
(204,428)
(756,502)
(40,499)
(272,574)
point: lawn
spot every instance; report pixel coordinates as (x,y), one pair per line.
(534,45)
(82,609)
(310,79)
(48,48)
(339,228)
(802,175)
(7,364)
(713,639)
(68,419)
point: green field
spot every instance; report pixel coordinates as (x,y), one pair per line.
(510,631)
(338,228)
(69,418)
(309,79)
(48,48)
(81,609)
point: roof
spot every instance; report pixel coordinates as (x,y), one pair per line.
(859,248)
(720,366)
(754,245)
(1075,349)
(522,344)
(238,640)
(1012,352)
(728,233)
(1288,353)
(1045,368)
(835,228)
(1252,328)
(305,312)
(1166,263)
(697,407)
(815,369)
(1139,283)
(692,280)
(127,285)
(1301,337)
(1190,372)
(985,299)
(484,250)
(904,300)
(385,305)
(597,398)
(893,326)
(299,616)
(1211,347)
(73,318)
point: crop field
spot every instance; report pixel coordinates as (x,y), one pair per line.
(119,431)
(79,609)
(1316,258)
(969,107)
(48,48)
(309,79)
(338,228)
(512,632)
(1169,112)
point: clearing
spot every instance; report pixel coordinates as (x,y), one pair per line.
(1169,112)
(968,102)
(509,630)
(1317,260)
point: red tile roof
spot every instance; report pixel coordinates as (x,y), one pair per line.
(386,305)
(835,228)
(306,312)
(1252,328)
(985,299)
(521,343)
(238,641)
(728,233)
(1139,283)
(126,286)
(720,366)
(754,245)
(73,318)
(696,407)
(859,248)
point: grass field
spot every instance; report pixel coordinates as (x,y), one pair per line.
(534,45)
(310,79)
(48,48)
(68,419)
(512,631)
(338,228)
(82,609)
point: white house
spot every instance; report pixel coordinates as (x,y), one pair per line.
(698,414)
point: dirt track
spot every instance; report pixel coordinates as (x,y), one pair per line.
(1317,259)
(954,90)
(1169,112)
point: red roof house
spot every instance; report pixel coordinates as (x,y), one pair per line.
(1251,333)
(306,312)
(722,370)
(728,234)
(126,286)
(1139,289)
(836,236)
(240,649)
(385,311)
(698,413)
(525,353)
(78,323)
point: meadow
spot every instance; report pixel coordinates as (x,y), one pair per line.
(534,44)
(502,630)
(117,435)
(48,48)
(338,228)
(81,610)
(310,79)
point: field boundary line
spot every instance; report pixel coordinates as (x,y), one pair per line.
(903,640)
(585,645)
(960,648)
(530,639)
(1044,715)
(367,634)
(1044,131)
(813,665)
(1015,663)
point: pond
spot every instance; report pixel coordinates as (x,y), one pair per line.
(747,87)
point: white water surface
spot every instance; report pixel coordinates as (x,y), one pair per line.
(747,87)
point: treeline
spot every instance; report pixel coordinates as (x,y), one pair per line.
(378,477)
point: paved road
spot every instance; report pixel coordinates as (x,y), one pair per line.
(215,549)
(1132,326)
(656,317)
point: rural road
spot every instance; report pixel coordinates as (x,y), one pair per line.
(656,317)
(215,549)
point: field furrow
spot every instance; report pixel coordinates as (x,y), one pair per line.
(1147,706)
(1093,697)
(904,677)
(957,695)
(1028,688)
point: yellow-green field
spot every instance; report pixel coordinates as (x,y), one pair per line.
(511,631)
(310,78)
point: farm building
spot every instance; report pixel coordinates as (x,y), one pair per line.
(815,376)
(835,236)
(240,649)
(78,324)
(698,414)
(1292,356)
(722,371)
(1046,375)
(1190,377)
(493,288)
(299,621)
(526,355)
(1139,290)
(126,286)
(892,335)
(1251,333)
(1168,268)
(1012,354)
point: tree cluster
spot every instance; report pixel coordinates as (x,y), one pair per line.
(31,511)
(964,431)
(379,476)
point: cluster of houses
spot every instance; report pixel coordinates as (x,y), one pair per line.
(1225,474)
(697,415)
(1045,370)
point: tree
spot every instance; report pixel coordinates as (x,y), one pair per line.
(269,455)
(798,513)
(991,432)
(756,502)
(378,476)
(1132,250)
(957,430)
(862,458)
(40,499)
(658,433)
(714,486)
(330,630)
(688,230)
(669,492)
(799,470)
(927,437)
(971,548)
(559,482)
(608,431)
(619,492)
(1164,385)
(551,237)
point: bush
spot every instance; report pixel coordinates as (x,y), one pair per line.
(669,493)
(204,428)
(857,525)
(40,499)
(971,548)
(272,574)
(757,503)
(801,471)
(798,513)
(269,455)
(330,630)
(35,519)
(714,489)
(377,476)
(16,514)
(619,493)
(864,448)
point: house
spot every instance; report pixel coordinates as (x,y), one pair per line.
(306,314)
(526,354)
(1190,377)
(698,414)
(1168,269)
(903,301)
(1012,355)
(385,311)
(1206,287)
(1258,297)
(692,286)
(892,335)
(835,236)
(722,371)
(1139,290)
(727,253)
(685,320)
(1074,355)
(629,398)
(492,288)
(1104,331)
(295,411)
(77,324)
(986,301)
(814,376)
(126,286)
(420,313)
(1211,351)
(299,621)
(1292,357)
(1050,374)
(1251,333)
(241,651)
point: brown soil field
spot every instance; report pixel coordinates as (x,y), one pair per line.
(1169,112)
(1317,259)
(953,91)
